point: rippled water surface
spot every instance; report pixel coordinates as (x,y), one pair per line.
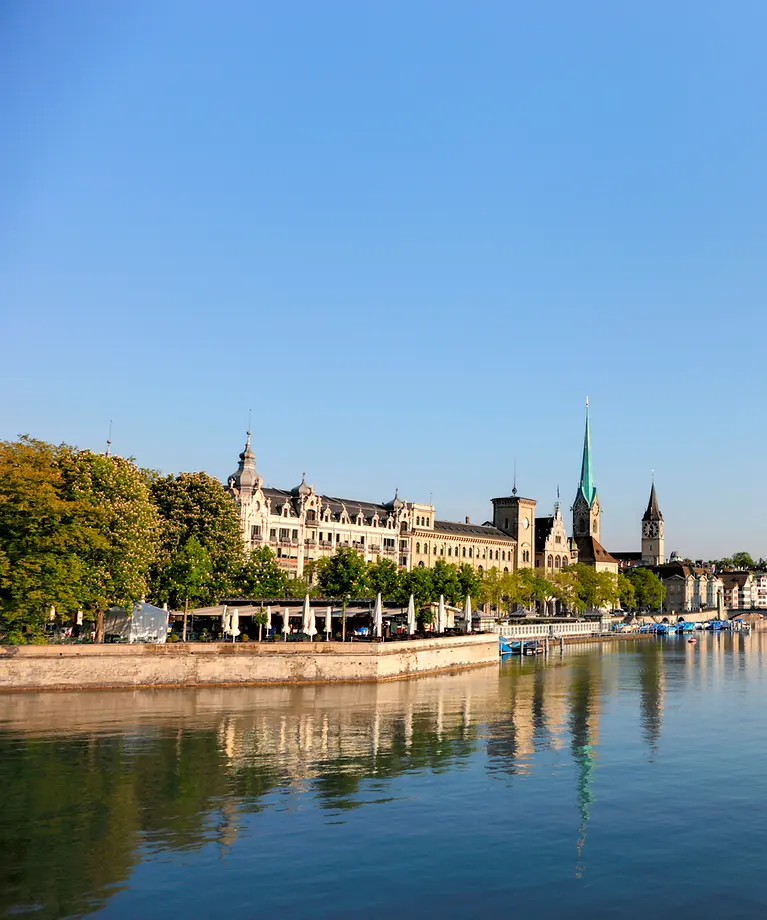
(624,780)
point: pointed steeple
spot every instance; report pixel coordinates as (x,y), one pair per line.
(653,510)
(587,487)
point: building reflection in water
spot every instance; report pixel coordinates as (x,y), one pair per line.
(651,688)
(189,764)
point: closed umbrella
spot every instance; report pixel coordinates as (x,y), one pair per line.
(467,613)
(307,613)
(329,621)
(378,617)
(286,622)
(234,626)
(411,615)
(441,614)
(311,626)
(268,619)
(225,620)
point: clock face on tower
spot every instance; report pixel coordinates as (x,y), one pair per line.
(525,523)
(651,529)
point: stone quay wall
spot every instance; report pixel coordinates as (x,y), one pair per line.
(200,664)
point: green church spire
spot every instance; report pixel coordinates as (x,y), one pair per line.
(587,486)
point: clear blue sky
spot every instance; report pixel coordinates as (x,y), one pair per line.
(411,236)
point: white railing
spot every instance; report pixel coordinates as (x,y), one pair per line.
(545,630)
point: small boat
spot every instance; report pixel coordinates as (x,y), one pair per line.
(509,646)
(692,641)
(534,647)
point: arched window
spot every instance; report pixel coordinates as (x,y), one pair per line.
(418,547)
(470,551)
(449,551)
(564,561)
(480,570)
(496,555)
(505,570)
(417,522)
(435,549)
(556,562)
(550,562)
(420,564)
(464,552)
(503,556)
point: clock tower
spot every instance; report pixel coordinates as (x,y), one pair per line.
(515,516)
(652,532)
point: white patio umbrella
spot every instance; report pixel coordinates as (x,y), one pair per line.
(286,621)
(329,621)
(467,613)
(268,619)
(234,625)
(307,614)
(378,617)
(441,614)
(411,615)
(311,626)
(225,620)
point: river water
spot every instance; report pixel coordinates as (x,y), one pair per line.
(625,779)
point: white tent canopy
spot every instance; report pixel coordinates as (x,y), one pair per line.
(145,623)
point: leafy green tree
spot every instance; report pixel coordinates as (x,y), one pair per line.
(596,590)
(445,581)
(119,561)
(626,592)
(743,560)
(420,583)
(44,535)
(190,575)
(261,575)
(648,588)
(383,576)
(469,582)
(196,505)
(343,575)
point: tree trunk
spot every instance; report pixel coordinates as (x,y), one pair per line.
(343,625)
(99,633)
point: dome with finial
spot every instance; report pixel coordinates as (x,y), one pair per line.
(396,504)
(246,479)
(302,489)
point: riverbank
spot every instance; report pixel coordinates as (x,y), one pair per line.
(201,664)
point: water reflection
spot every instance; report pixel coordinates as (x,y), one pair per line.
(93,783)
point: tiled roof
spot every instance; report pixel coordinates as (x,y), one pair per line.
(471,530)
(591,550)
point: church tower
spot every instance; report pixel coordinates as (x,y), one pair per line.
(652,532)
(586,511)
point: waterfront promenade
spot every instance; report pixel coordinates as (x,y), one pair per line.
(193,664)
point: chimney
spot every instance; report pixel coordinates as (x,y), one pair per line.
(467,519)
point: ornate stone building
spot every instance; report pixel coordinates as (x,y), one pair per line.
(553,548)
(301,525)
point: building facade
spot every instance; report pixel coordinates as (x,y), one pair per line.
(553,548)
(300,526)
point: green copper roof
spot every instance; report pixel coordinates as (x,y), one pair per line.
(587,486)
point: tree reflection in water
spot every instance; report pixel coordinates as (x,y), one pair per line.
(92,781)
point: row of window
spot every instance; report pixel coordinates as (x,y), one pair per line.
(422,521)
(468,552)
